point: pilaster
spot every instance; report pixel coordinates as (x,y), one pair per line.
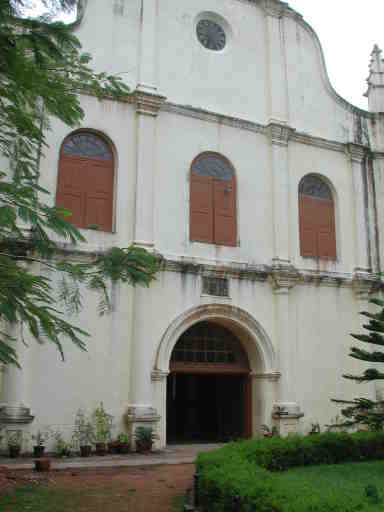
(357,156)
(13,409)
(283,278)
(147,109)
(148,47)
(159,394)
(277,82)
(279,134)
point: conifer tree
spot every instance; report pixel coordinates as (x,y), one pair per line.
(42,74)
(362,411)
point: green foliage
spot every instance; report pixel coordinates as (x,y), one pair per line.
(14,438)
(249,472)
(102,424)
(362,411)
(42,73)
(83,430)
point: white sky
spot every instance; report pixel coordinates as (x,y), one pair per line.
(347,29)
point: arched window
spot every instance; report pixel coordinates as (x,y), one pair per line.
(317,219)
(213,200)
(85,181)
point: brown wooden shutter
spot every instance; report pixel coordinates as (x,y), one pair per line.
(317,227)
(224,212)
(201,208)
(99,195)
(308,235)
(70,189)
(85,187)
(326,239)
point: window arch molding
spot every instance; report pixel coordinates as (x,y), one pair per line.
(86,181)
(213,200)
(317,205)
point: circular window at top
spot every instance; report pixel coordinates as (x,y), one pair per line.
(211,35)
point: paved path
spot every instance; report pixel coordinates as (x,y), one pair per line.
(174,454)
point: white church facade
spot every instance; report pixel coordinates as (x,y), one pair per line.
(263,192)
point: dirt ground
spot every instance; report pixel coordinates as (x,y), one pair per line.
(136,489)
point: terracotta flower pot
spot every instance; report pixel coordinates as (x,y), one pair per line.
(85,451)
(143,446)
(38,451)
(113,447)
(101,449)
(14,451)
(43,465)
(123,448)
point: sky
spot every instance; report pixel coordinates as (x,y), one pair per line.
(347,29)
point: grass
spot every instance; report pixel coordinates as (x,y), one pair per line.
(345,487)
(178,504)
(56,499)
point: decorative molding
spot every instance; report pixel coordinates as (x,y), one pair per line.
(15,415)
(148,103)
(159,375)
(356,152)
(279,133)
(365,283)
(271,376)
(283,276)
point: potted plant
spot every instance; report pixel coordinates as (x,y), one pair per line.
(14,441)
(43,464)
(83,433)
(40,438)
(269,432)
(123,446)
(102,427)
(62,447)
(144,438)
(315,429)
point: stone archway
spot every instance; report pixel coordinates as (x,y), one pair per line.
(254,339)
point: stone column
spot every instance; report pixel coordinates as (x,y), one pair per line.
(357,154)
(279,136)
(13,410)
(286,411)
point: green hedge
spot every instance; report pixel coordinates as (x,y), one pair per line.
(245,469)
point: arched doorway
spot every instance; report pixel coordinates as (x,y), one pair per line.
(208,389)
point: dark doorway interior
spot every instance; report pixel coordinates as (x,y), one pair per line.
(205,407)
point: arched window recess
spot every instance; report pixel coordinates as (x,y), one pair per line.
(86,181)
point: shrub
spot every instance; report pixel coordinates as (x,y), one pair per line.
(244,470)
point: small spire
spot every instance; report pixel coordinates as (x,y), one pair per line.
(377,63)
(375,93)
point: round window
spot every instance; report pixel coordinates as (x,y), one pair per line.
(211,35)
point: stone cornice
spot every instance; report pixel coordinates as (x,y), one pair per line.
(280,276)
(283,276)
(213,117)
(148,103)
(356,152)
(279,132)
